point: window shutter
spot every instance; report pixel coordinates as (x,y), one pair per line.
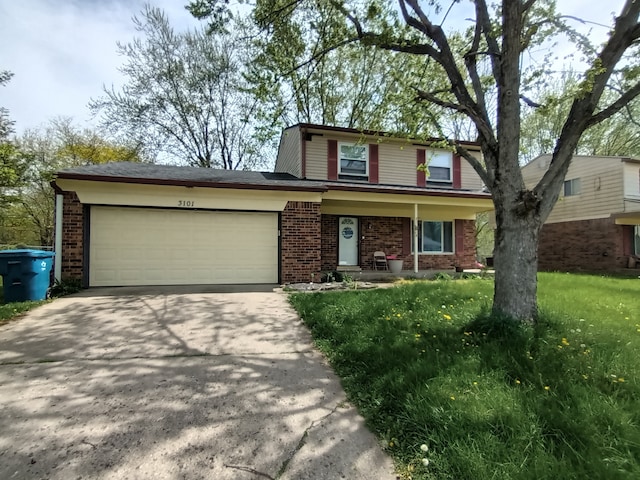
(406,236)
(627,239)
(459,233)
(332,160)
(457,176)
(420,159)
(373,163)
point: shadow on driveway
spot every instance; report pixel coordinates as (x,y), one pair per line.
(171,386)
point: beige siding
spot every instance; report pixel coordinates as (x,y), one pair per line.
(316,158)
(469,179)
(397,164)
(632,180)
(289,153)
(601,191)
(397,159)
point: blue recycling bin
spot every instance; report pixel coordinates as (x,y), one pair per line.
(25,274)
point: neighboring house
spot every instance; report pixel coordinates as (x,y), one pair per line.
(595,225)
(337,196)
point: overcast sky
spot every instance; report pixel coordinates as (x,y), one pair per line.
(63,51)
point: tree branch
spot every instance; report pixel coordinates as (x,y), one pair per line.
(475,164)
(616,106)
(529,102)
(432,98)
(581,114)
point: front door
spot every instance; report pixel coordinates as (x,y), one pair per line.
(348,241)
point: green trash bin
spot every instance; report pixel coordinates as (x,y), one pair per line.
(26,274)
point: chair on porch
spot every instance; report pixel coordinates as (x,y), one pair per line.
(380,261)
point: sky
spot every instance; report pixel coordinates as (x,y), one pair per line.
(62,52)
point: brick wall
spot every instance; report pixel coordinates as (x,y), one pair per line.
(329,249)
(588,245)
(300,242)
(72,236)
(386,234)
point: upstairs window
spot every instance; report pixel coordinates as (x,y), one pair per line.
(439,164)
(572,187)
(434,237)
(353,161)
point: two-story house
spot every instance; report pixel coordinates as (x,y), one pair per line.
(337,196)
(595,225)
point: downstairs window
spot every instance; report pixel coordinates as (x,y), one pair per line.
(434,237)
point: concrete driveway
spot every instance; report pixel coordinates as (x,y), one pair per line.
(124,384)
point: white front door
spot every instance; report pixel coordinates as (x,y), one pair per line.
(348,241)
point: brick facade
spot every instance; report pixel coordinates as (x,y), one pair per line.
(386,234)
(300,242)
(587,245)
(309,242)
(72,258)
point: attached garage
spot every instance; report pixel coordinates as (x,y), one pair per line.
(152,246)
(129,224)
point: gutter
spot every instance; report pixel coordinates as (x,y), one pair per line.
(189,183)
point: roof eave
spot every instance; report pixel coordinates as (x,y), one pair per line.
(190,183)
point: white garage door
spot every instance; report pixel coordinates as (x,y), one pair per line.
(145,246)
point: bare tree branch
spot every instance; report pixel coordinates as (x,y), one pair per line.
(616,106)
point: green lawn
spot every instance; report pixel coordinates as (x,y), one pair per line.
(429,369)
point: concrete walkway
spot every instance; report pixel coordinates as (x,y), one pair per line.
(128,384)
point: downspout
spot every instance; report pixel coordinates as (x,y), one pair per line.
(415,238)
(58,239)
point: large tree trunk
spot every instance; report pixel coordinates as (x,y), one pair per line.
(516,265)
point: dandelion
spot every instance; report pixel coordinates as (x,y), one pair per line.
(452,397)
(621,379)
(547,388)
(517,382)
(448,317)
(565,342)
(398,315)
(425,462)
(585,376)
(475,383)
(391,444)
(424,447)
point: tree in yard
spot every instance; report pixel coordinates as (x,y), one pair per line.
(483,65)
(57,146)
(183,94)
(13,162)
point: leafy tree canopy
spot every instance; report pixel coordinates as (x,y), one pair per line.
(183,96)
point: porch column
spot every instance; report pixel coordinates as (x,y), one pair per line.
(415,238)
(57,263)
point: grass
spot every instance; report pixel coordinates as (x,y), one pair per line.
(10,311)
(428,366)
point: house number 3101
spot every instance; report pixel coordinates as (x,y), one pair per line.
(186,203)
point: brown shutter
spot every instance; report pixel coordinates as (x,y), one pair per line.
(373,163)
(406,236)
(459,234)
(420,159)
(332,160)
(457,176)
(627,239)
